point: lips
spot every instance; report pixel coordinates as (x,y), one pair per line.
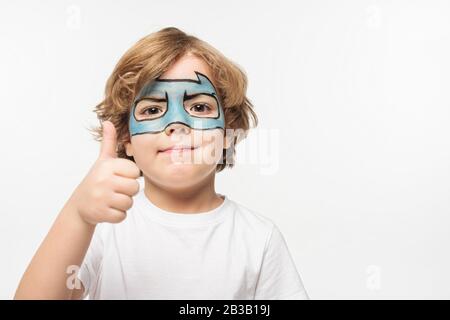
(177,149)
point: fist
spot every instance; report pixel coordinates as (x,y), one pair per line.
(105,194)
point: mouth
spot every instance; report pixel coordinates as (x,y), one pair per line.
(177,149)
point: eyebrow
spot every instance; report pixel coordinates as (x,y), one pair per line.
(192,96)
(151,98)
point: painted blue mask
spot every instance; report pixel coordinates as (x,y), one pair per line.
(161,102)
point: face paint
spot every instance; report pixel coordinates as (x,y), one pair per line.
(161,102)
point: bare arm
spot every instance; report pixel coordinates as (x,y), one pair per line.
(104,195)
(65,245)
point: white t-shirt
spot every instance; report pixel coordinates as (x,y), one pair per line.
(227,253)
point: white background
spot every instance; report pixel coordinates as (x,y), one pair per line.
(355,93)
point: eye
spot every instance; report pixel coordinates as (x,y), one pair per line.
(200,107)
(151,111)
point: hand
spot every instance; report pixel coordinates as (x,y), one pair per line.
(105,194)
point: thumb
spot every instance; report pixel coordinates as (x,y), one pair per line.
(109,141)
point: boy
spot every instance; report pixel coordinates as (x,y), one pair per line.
(169,107)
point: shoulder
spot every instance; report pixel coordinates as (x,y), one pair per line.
(252,216)
(256,222)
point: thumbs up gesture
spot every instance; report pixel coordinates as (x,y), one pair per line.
(105,194)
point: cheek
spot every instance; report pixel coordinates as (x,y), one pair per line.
(144,148)
(211,147)
(212,151)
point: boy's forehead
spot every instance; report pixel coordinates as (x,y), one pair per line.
(186,68)
(192,74)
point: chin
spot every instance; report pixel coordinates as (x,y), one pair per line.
(181,176)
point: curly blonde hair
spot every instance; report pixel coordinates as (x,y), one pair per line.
(148,59)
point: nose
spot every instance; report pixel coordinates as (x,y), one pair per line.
(177,128)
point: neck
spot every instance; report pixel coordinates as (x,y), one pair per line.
(195,199)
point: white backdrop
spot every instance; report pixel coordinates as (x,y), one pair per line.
(352,152)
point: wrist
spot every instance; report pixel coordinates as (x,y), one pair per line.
(78,218)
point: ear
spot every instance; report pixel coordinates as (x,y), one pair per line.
(228,138)
(129,149)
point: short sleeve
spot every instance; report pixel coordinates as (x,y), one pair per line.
(278,278)
(88,273)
